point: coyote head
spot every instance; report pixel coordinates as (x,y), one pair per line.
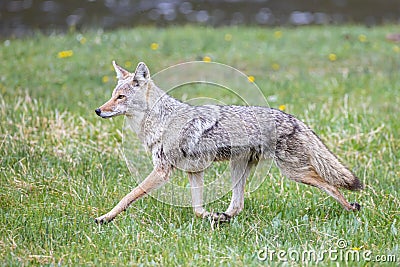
(129,94)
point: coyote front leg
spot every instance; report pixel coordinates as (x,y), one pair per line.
(196,180)
(156,179)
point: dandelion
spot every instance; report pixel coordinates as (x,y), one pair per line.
(228,37)
(83,40)
(154,46)
(128,64)
(275,66)
(251,79)
(362,38)
(396,49)
(332,57)
(282,107)
(207,59)
(65,54)
(278,35)
(105,79)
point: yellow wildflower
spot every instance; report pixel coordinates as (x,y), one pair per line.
(206,59)
(396,49)
(282,107)
(83,40)
(154,46)
(228,37)
(128,64)
(105,79)
(332,57)
(251,79)
(275,66)
(278,35)
(65,54)
(362,38)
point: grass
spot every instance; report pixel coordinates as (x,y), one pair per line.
(61,166)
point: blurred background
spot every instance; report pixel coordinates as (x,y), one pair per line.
(23,17)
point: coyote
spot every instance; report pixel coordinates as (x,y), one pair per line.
(190,138)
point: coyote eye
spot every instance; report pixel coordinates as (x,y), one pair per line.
(135,83)
(120,96)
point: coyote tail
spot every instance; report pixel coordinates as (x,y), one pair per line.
(329,167)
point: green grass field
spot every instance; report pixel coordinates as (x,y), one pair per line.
(61,165)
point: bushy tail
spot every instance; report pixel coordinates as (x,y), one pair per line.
(328,166)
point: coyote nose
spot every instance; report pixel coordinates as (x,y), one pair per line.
(98,111)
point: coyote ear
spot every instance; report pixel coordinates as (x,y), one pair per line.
(121,72)
(142,72)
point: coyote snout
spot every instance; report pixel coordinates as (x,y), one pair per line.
(190,137)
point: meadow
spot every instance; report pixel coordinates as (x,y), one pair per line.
(61,165)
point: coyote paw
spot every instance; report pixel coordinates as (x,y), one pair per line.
(220,217)
(355,206)
(103,219)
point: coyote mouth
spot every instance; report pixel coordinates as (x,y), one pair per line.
(106,115)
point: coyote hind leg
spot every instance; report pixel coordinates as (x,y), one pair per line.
(313,179)
(240,170)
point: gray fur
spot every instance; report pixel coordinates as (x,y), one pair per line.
(192,137)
